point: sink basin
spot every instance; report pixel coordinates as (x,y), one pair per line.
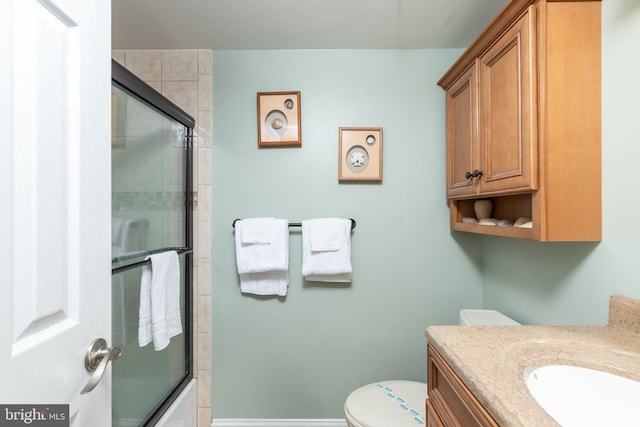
(576,396)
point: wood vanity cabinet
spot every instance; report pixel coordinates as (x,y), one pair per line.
(523,122)
(449,401)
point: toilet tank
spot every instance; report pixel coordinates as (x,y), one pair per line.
(484,318)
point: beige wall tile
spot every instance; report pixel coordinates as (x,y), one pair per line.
(204,165)
(146,64)
(157,86)
(194,347)
(205,61)
(204,351)
(204,202)
(194,176)
(195,227)
(204,417)
(204,239)
(179,65)
(204,128)
(195,274)
(118,56)
(194,307)
(204,314)
(204,276)
(196,252)
(204,92)
(204,389)
(183,94)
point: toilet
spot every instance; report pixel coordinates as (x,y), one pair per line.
(470,317)
(398,403)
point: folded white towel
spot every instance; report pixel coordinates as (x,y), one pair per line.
(258,258)
(159,314)
(263,267)
(325,234)
(265,283)
(344,277)
(257,230)
(327,265)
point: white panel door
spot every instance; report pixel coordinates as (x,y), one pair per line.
(55,270)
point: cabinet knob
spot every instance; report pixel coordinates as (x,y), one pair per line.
(476,173)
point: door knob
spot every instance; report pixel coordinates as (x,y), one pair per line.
(96,360)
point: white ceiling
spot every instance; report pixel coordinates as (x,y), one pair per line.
(299,24)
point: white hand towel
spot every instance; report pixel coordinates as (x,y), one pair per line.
(264,268)
(265,283)
(327,265)
(258,258)
(257,230)
(325,235)
(343,278)
(159,314)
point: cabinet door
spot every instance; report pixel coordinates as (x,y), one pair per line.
(462,137)
(508,155)
(450,402)
(433,419)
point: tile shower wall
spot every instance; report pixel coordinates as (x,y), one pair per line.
(184,77)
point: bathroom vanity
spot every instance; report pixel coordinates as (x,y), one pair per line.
(450,402)
(477,374)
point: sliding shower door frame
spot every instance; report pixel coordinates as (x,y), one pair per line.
(139,89)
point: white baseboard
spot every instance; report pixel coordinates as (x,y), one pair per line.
(270,422)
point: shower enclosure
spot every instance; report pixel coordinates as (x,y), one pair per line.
(151,213)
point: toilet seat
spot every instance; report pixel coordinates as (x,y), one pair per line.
(387,404)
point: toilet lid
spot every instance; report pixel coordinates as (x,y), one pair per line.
(387,404)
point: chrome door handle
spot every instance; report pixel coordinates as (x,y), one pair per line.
(96,360)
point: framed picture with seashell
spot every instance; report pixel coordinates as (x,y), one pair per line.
(279,119)
(360,154)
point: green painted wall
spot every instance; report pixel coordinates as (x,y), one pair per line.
(300,356)
(570,283)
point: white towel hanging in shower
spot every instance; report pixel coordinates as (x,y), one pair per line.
(159,315)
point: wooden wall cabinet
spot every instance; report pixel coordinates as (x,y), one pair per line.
(449,401)
(462,134)
(523,107)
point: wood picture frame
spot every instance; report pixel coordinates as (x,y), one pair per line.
(360,154)
(279,123)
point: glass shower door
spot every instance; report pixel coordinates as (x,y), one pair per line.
(151,169)
(148,169)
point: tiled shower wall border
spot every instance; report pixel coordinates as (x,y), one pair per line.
(184,77)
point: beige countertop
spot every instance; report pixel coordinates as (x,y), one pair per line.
(494,361)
